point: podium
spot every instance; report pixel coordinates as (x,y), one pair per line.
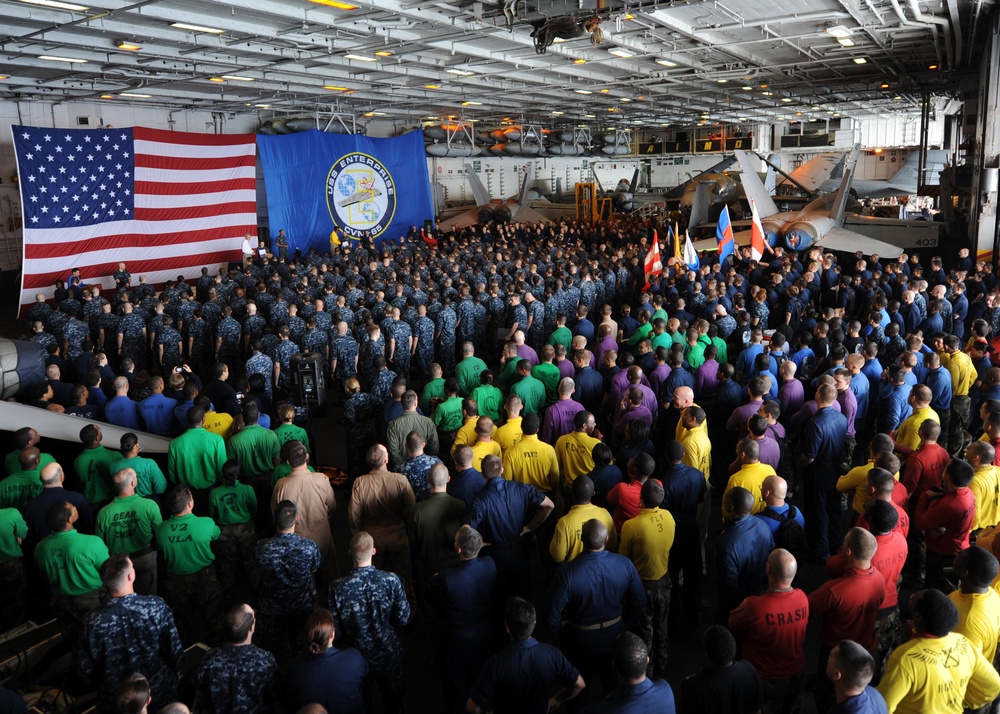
(308,380)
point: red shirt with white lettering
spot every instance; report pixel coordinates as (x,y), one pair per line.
(902,525)
(849,606)
(888,560)
(773,628)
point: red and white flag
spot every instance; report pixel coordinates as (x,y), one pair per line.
(757,241)
(653,267)
(165,203)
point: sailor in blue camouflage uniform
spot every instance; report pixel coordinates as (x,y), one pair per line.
(296,325)
(343,355)
(105,324)
(238,676)
(40,310)
(260,363)
(74,333)
(132,336)
(283,354)
(466,313)
(228,335)
(372,346)
(201,347)
(316,341)
(211,310)
(370,606)
(40,337)
(534,327)
(424,332)
(254,325)
(169,340)
(417,467)
(444,336)
(129,633)
(287,564)
(400,334)
(381,385)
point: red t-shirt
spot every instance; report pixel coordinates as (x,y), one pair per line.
(773,628)
(624,500)
(955,511)
(888,560)
(902,525)
(924,468)
(849,606)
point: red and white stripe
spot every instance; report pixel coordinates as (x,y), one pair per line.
(195,198)
(653,266)
(756,234)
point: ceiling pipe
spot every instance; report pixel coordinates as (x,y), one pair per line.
(931,20)
(907,22)
(956,26)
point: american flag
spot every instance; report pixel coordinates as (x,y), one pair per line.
(165,203)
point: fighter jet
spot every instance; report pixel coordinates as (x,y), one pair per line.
(366,192)
(904,182)
(820,223)
(487,209)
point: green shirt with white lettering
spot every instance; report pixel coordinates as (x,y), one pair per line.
(186,543)
(128,523)
(93,467)
(19,488)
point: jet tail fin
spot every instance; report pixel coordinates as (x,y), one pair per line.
(753,187)
(699,207)
(529,174)
(839,205)
(478,190)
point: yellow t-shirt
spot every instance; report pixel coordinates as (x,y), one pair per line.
(963,373)
(575,454)
(751,477)
(567,541)
(466,434)
(908,435)
(646,541)
(218,423)
(509,434)
(482,449)
(979,619)
(943,675)
(698,449)
(985,487)
(680,432)
(533,462)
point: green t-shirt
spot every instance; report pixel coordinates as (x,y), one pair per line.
(127,524)
(195,459)
(561,336)
(291,432)
(230,505)
(508,375)
(549,375)
(467,372)
(532,394)
(12,464)
(19,488)
(448,415)
(282,470)
(723,348)
(149,478)
(12,528)
(186,543)
(433,390)
(489,399)
(663,340)
(640,334)
(256,448)
(70,560)
(93,467)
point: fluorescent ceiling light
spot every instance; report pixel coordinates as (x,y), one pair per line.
(53,58)
(605,91)
(237,78)
(839,31)
(336,4)
(558,40)
(589,116)
(557,113)
(472,104)
(262,106)
(860,60)
(432,86)
(460,72)
(618,52)
(335,89)
(846,41)
(107,96)
(196,28)
(383,53)
(58,5)
(747,88)
(583,91)
(786,99)
(128,45)
(624,99)
(768,94)
(134,95)
(579,60)
(217,79)
(666,63)
(722,81)
(361,58)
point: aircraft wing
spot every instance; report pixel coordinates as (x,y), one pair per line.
(741,238)
(468,217)
(478,190)
(678,191)
(846,241)
(527,214)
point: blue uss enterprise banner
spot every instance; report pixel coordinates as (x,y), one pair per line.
(363,187)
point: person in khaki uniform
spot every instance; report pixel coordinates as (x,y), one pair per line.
(381,504)
(313,496)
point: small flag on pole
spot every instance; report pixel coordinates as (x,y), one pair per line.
(690,254)
(757,241)
(653,267)
(724,234)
